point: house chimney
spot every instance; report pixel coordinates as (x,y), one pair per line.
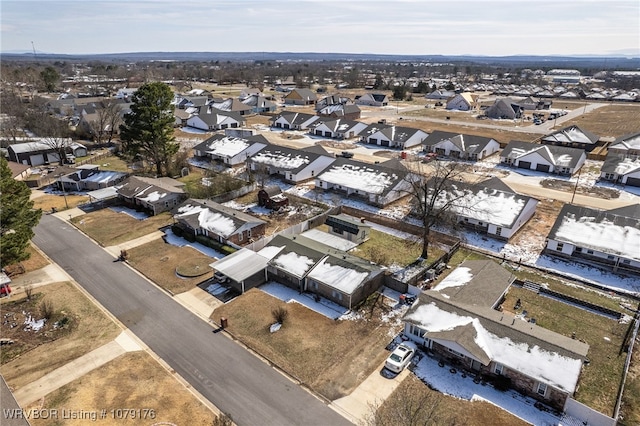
(362,220)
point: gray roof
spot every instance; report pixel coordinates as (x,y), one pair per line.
(571,134)
(517,149)
(465,143)
(241,221)
(293,118)
(141,187)
(209,143)
(278,156)
(243,263)
(210,116)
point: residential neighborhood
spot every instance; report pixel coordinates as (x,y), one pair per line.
(303,232)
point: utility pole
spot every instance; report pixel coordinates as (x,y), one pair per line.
(575,188)
(33,46)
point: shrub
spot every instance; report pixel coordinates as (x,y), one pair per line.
(177,230)
(280,314)
(502,383)
(46,309)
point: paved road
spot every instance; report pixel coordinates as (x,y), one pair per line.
(235,381)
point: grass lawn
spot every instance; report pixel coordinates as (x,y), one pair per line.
(331,357)
(113,162)
(133,380)
(600,379)
(88,328)
(110,228)
(34,262)
(387,250)
(158,261)
(613,120)
(47,201)
(442,409)
(630,412)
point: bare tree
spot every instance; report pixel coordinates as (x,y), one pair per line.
(107,122)
(411,404)
(13,110)
(437,195)
(57,137)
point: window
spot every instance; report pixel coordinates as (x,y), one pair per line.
(415,330)
(240,236)
(498,231)
(314,285)
(578,249)
(626,261)
(336,295)
(610,257)
(589,251)
(498,368)
(542,389)
(560,246)
(456,353)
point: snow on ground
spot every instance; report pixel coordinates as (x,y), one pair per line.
(216,289)
(30,323)
(131,212)
(193,130)
(174,240)
(441,379)
(289,295)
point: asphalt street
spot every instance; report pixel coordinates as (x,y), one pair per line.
(225,373)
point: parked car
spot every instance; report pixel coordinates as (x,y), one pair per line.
(5,290)
(347,154)
(401,357)
(219,277)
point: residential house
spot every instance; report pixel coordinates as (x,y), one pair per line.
(505,108)
(293,120)
(293,165)
(457,322)
(440,95)
(378,184)
(90,179)
(272,198)
(154,195)
(348,111)
(259,104)
(462,146)
(300,97)
(249,92)
(231,105)
(187,102)
(372,99)
(572,136)
(19,171)
(245,268)
(340,128)
(392,136)
(622,164)
(44,151)
(230,150)
(606,237)
(348,227)
(218,222)
(213,119)
(181,117)
(543,158)
(311,266)
(465,101)
(491,207)
(332,100)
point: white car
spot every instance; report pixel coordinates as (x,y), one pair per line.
(401,357)
(220,277)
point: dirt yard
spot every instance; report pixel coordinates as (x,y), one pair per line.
(132,381)
(331,357)
(158,261)
(533,234)
(36,353)
(110,228)
(612,121)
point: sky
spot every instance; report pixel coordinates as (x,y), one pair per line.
(407,27)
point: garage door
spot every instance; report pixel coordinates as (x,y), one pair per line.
(543,167)
(319,132)
(36,160)
(633,181)
(384,143)
(524,164)
(327,134)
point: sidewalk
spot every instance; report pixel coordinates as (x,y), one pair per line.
(376,388)
(75,369)
(115,250)
(51,273)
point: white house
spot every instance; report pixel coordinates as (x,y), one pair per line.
(337,129)
(463,102)
(378,184)
(543,158)
(230,150)
(609,237)
(293,165)
(44,150)
(212,119)
(372,99)
(622,164)
(490,207)
(458,145)
(392,136)
(293,120)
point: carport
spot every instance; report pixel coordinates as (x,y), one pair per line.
(246,268)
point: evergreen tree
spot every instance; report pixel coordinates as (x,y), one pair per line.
(148,128)
(17,217)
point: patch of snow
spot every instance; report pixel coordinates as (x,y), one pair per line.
(216,289)
(324,307)
(344,279)
(174,240)
(131,212)
(207,219)
(30,323)
(293,263)
(275,327)
(458,277)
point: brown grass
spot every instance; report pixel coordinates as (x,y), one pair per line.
(133,380)
(449,410)
(158,261)
(34,262)
(613,120)
(112,228)
(48,201)
(630,412)
(90,330)
(332,357)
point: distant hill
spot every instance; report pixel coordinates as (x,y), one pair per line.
(600,62)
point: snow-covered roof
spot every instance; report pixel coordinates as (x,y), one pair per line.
(572,134)
(481,337)
(604,231)
(343,278)
(282,158)
(215,218)
(368,178)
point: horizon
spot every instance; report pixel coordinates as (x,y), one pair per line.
(495,28)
